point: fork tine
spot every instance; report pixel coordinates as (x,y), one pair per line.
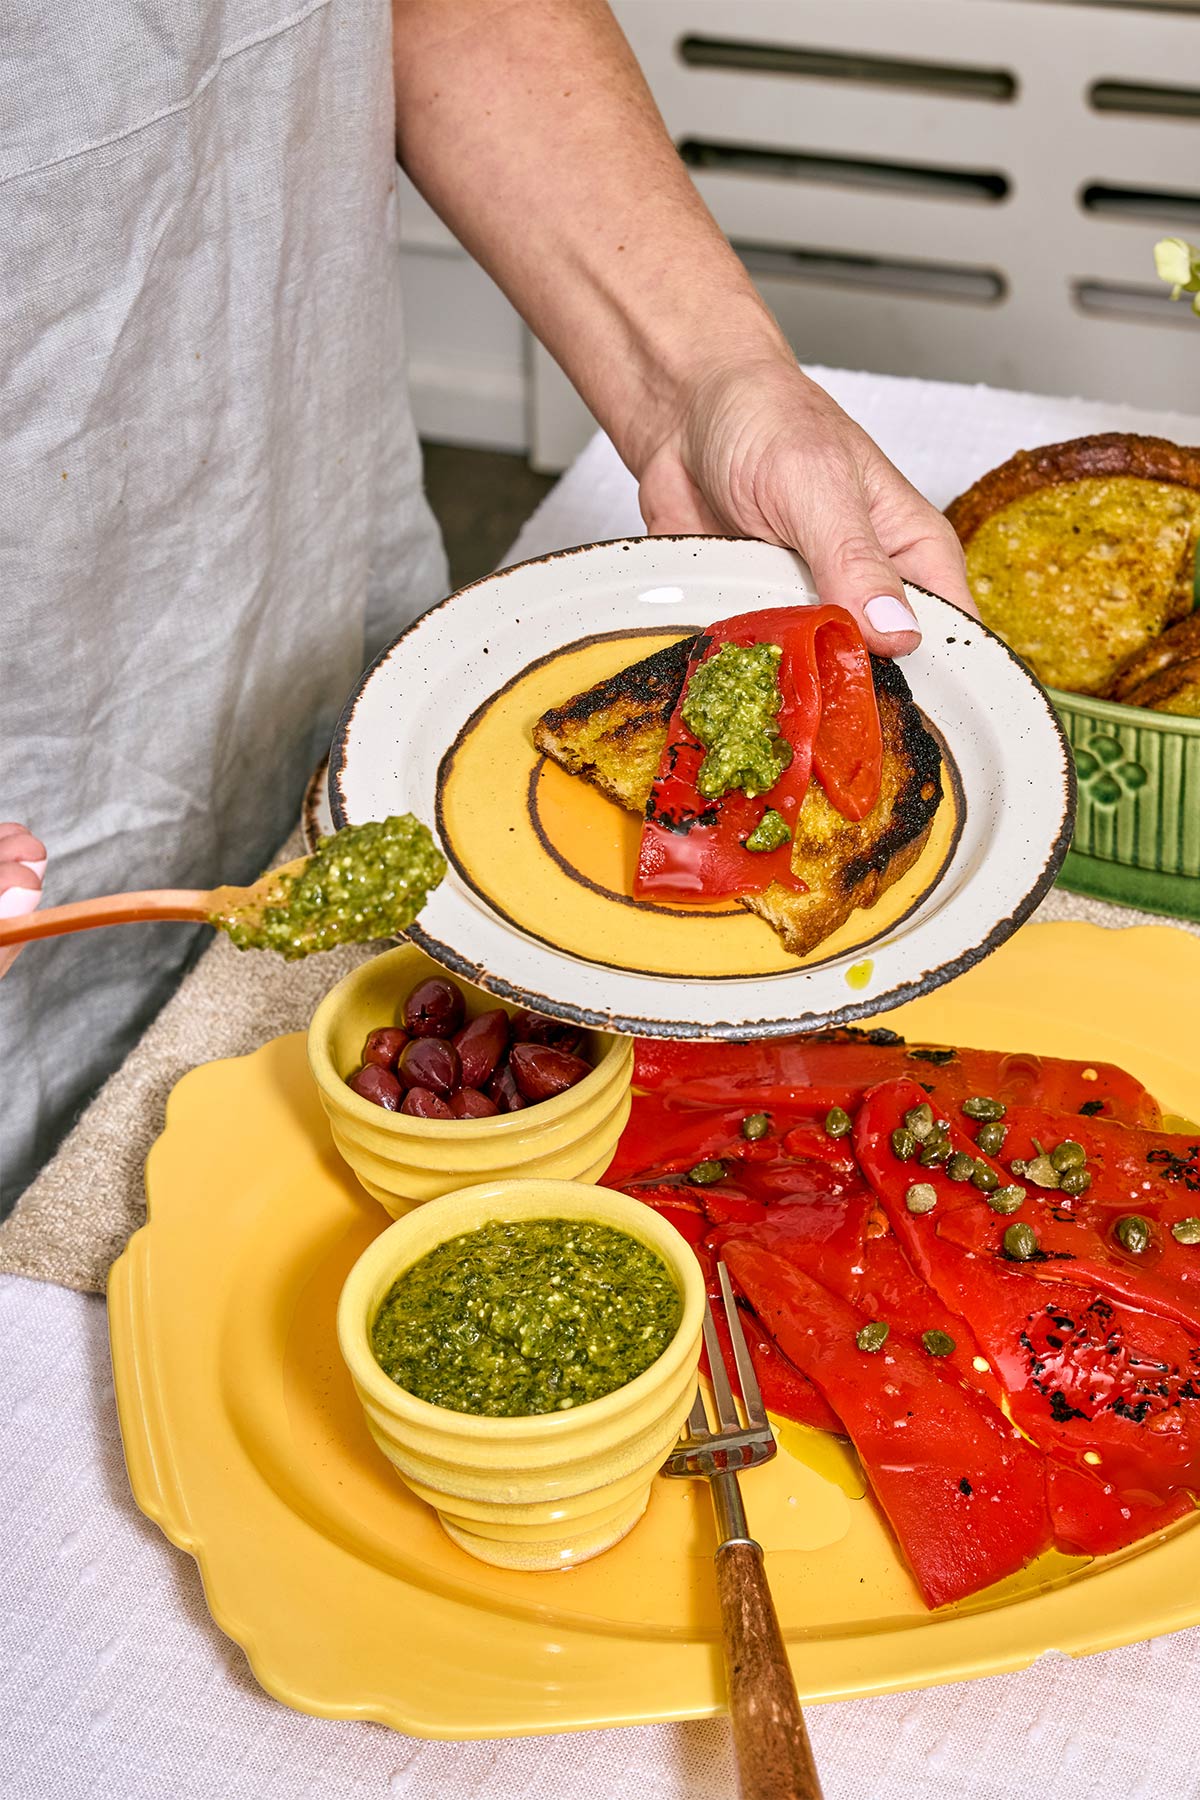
(697,1424)
(756,1412)
(727,1413)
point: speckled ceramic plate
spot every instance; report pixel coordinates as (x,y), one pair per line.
(537,907)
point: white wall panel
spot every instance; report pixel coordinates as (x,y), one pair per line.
(471,358)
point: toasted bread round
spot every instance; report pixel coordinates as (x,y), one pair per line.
(1173,690)
(1179,644)
(1080,552)
(1104,456)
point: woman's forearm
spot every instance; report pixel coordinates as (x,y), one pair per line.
(529,128)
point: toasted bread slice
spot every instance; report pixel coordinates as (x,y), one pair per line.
(1180,644)
(1175,689)
(1079,552)
(613,736)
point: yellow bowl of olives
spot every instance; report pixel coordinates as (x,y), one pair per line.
(431,1085)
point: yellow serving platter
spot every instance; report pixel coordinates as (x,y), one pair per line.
(246,1445)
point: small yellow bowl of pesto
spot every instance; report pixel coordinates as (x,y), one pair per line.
(525,1353)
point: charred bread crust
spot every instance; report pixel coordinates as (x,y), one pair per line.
(1179,644)
(651,685)
(1104,457)
(612,735)
(918,800)
(802,930)
(866,861)
(1180,679)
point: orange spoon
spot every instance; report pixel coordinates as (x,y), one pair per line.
(363,883)
(216,906)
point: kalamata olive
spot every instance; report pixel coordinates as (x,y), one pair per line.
(429,1063)
(540,1071)
(503,1089)
(435,1009)
(480,1045)
(419,1103)
(469,1103)
(536,1028)
(378,1085)
(384,1046)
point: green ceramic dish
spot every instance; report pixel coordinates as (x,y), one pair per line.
(1137,827)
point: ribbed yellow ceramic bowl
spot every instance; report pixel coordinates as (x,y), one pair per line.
(527,1493)
(402,1161)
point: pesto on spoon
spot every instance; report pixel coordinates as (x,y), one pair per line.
(365,882)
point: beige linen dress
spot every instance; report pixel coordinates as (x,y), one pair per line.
(210,500)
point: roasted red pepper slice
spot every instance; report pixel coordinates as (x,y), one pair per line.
(964,1493)
(825,1237)
(786,1392)
(1112,1392)
(693,848)
(1142,1172)
(830,1071)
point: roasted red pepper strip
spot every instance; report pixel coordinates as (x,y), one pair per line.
(1086,1376)
(693,848)
(964,1493)
(786,1392)
(1142,1172)
(837,1071)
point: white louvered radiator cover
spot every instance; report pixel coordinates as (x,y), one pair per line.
(966,189)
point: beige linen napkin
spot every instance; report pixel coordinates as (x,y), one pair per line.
(74,1220)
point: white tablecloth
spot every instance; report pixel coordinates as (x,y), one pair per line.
(114,1681)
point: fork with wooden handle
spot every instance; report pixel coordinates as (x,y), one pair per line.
(774,1756)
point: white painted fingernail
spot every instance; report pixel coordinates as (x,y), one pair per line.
(887,615)
(15,902)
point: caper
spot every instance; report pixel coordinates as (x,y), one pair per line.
(838,1122)
(961,1166)
(978,1106)
(919,1119)
(1067,1155)
(1006,1200)
(873,1336)
(1042,1172)
(904,1144)
(1020,1242)
(933,1153)
(985,1179)
(921,1197)
(1075,1181)
(990,1138)
(1018,1166)
(1134,1232)
(705,1173)
(756,1125)
(1187,1231)
(938,1343)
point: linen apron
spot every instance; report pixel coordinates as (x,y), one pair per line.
(210,497)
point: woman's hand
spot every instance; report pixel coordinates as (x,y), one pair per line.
(528,126)
(22,865)
(761,451)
